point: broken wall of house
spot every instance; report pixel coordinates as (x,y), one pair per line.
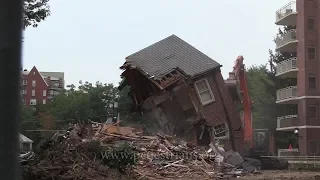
(218,112)
(172,111)
(181,112)
(153,113)
(236,123)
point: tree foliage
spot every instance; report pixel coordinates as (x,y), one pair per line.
(261,89)
(35,11)
(96,102)
(28,121)
(88,101)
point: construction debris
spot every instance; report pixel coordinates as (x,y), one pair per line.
(26,157)
(115,152)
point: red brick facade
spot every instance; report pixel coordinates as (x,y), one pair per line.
(39,89)
(222,109)
(307,21)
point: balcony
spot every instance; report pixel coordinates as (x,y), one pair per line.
(287,15)
(287,68)
(55,86)
(286,123)
(287,95)
(287,42)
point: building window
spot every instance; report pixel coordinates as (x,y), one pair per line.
(24,91)
(24,101)
(311,24)
(312,82)
(33,83)
(204,92)
(34,73)
(33,92)
(33,102)
(51,92)
(313,147)
(24,82)
(311,53)
(44,101)
(44,93)
(220,131)
(312,112)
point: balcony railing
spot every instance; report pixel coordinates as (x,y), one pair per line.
(287,93)
(286,38)
(287,121)
(287,65)
(54,87)
(286,10)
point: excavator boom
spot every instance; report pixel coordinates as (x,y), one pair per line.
(239,74)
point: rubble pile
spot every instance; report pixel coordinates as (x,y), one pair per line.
(26,157)
(114,152)
(69,159)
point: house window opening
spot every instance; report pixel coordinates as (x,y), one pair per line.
(312,82)
(311,53)
(33,83)
(33,102)
(221,131)
(311,24)
(204,91)
(313,147)
(312,113)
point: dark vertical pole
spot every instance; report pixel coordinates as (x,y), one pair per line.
(10,63)
(113,119)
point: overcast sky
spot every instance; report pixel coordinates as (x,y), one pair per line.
(89,40)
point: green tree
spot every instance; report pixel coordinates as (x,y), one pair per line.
(88,101)
(125,102)
(28,121)
(35,11)
(260,86)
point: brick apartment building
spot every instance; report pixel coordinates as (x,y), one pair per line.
(304,67)
(40,87)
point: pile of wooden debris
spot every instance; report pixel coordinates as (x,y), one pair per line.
(114,152)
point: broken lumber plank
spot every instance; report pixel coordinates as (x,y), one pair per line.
(127,137)
(168,165)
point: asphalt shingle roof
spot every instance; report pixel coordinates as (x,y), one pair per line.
(170,53)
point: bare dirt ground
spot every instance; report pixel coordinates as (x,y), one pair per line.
(284,175)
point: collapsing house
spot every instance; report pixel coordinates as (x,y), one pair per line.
(183,91)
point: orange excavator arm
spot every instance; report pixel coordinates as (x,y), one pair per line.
(240,75)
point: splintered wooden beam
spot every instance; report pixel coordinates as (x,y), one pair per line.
(156,83)
(171,78)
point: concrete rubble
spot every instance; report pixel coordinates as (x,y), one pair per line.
(115,152)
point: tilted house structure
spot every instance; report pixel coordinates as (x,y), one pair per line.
(183,91)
